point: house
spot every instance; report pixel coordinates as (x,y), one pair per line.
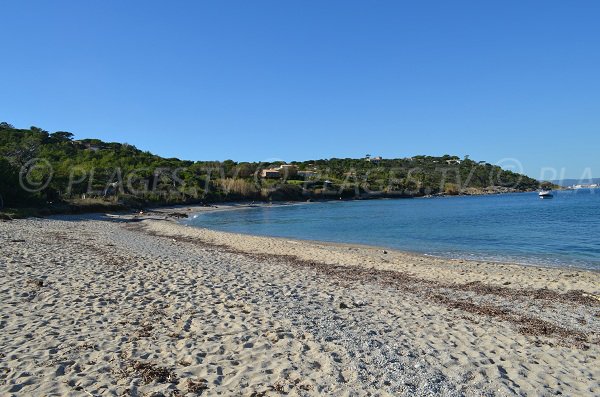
(270,173)
(374,160)
(288,169)
(284,170)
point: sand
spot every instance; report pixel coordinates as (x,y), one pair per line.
(121,305)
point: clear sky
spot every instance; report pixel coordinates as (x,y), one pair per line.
(296,80)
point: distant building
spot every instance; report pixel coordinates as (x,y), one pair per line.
(284,170)
(374,160)
(585,186)
(270,173)
(288,170)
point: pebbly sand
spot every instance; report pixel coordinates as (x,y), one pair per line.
(120,305)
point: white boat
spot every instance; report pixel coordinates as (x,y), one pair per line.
(546,194)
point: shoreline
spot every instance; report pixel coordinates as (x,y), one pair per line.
(96,207)
(370,253)
(351,254)
(173,213)
(233,206)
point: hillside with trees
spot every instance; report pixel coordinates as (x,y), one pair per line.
(41,169)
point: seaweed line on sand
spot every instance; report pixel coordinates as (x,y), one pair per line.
(434,290)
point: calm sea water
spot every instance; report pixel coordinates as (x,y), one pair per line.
(518,228)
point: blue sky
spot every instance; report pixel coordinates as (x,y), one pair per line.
(257,80)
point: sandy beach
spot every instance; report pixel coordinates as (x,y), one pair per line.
(144,306)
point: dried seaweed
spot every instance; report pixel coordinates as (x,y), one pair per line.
(149,372)
(434,290)
(196,386)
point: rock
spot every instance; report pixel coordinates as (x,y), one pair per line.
(343,306)
(385,252)
(178,215)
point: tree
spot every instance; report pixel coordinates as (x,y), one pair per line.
(10,192)
(20,152)
(6,126)
(61,136)
(37,129)
(211,180)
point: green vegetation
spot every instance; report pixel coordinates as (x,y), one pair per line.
(52,171)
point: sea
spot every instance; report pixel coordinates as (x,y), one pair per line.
(512,228)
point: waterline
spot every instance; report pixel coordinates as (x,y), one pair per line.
(512,228)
